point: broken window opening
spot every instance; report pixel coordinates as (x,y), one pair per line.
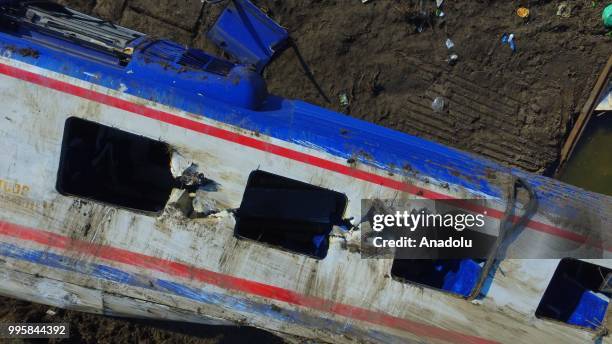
(455,276)
(113,166)
(194,193)
(289,214)
(458,271)
(193,205)
(578,294)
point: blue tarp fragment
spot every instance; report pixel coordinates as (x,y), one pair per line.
(247,34)
(463,280)
(590,311)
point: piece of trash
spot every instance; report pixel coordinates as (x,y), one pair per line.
(449,43)
(522,12)
(439,13)
(511,42)
(191,176)
(51,312)
(564,10)
(202,203)
(452,59)
(439,3)
(420,20)
(509,39)
(438,104)
(344,100)
(606,16)
(504,39)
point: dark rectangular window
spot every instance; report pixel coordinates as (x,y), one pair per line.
(456,276)
(289,214)
(452,270)
(113,166)
(578,294)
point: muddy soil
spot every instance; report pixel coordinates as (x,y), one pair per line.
(391,63)
(92,329)
(513,107)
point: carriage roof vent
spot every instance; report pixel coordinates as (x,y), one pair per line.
(61,22)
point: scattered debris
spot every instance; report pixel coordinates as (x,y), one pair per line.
(509,39)
(344,100)
(203,204)
(511,42)
(453,58)
(25,52)
(51,312)
(522,12)
(564,10)
(180,200)
(178,164)
(192,177)
(196,203)
(439,12)
(606,16)
(29,52)
(420,19)
(438,104)
(342,228)
(449,43)
(186,172)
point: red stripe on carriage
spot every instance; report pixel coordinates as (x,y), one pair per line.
(267,147)
(232,283)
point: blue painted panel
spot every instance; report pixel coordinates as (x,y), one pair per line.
(311,126)
(247,34)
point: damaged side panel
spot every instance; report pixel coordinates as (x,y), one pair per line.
(185,261)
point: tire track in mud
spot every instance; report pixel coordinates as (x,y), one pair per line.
(470,106)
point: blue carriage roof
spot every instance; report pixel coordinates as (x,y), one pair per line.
(196,82)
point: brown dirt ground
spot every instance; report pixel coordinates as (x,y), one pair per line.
(515,108)
(92,329)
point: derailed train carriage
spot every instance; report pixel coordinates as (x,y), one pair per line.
(144,179)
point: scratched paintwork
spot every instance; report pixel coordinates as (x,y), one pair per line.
(34,130)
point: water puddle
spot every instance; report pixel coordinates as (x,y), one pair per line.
(590,166)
